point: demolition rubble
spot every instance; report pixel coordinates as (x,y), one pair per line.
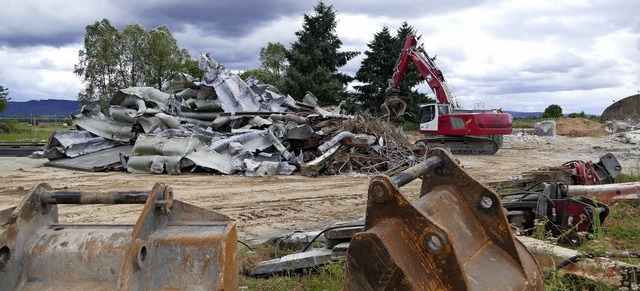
(224,124)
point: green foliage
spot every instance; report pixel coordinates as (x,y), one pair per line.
(274,63)
(553,111)
(135,56)
(378,66)
(191,67)
(622,227)
(4,97)
(577,115)
(163,57)
(14,131)
(558,280)
(314,59)
(273,58)
(11,126)
(525,122)
(264,76)
(624,178)
(327,277)
(376,69)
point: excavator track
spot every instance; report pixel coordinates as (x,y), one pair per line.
(463,145)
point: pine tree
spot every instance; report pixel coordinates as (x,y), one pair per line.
(376,69)
(314,59)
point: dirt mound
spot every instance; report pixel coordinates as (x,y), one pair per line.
(579,127)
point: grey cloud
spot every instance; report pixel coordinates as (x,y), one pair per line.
(224,18)
(558,63)
(56,39)
(402,9)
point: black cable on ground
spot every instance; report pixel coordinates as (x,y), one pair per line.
(306,247)
(245,244)
(280,239)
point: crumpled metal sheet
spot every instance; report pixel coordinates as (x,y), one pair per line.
(74,143)
(137,96)
(251,141)
(234,94)
(104,126)
(156,154)
(267,168)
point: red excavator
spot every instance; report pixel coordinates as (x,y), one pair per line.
(444,123)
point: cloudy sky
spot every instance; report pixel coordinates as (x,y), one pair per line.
(516,55)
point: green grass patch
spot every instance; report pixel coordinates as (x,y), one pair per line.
(12,131)
(624,178)
(327,277)
(557,280)
(530,122)
(525,122)
(622,228)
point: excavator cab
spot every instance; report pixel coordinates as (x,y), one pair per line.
(429,114)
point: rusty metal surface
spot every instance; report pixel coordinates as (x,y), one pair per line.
(173,245)
(454,237)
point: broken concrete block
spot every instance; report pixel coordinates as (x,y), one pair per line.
(620,126)
(545,128)
(293,262)
(632,137)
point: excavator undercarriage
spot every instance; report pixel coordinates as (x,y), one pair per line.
(464,145)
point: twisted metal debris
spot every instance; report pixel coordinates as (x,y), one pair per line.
(224,124)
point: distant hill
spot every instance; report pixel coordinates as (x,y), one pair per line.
(517,114)
(42,107)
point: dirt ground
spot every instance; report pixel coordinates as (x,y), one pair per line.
(268,207)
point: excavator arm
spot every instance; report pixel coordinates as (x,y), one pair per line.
(411,51)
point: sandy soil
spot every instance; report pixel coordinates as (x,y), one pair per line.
(273,206)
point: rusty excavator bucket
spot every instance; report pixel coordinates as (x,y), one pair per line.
(173,245)
(454,237)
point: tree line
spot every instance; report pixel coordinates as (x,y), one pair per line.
(134,56)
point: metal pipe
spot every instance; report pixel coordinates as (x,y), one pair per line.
(605,193)
(410,174)
(81,197)
(335,140)
(288,117)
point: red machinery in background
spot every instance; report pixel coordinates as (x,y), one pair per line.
(447,125)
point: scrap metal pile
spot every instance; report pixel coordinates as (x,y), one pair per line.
(224,124)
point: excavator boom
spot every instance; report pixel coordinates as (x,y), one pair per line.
(444,122)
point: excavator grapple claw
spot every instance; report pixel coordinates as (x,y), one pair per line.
(454,237)
(393,107)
